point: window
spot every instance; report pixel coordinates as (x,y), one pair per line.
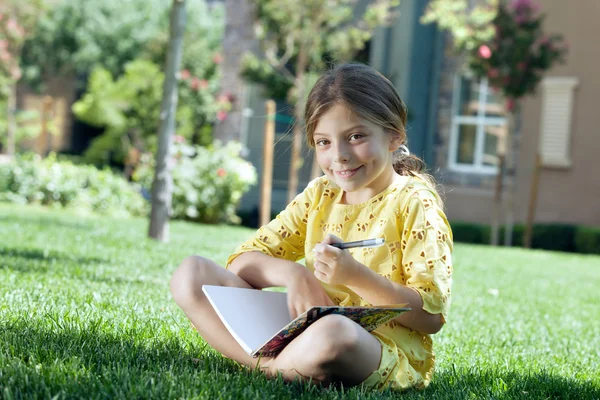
(478,126)
(555,127)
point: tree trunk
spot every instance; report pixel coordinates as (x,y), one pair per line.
(298,135)
(239,39)
(496,212)
(11,121)
(162,188)
(512,150)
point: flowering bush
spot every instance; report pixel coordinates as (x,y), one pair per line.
(208,182)
(519,53)
(31,179)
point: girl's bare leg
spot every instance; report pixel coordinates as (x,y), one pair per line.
(333,349)
(186,288)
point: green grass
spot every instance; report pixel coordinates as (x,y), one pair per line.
(85,312)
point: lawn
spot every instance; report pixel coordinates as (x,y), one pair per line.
(85,312)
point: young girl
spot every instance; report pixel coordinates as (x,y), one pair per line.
(372,188)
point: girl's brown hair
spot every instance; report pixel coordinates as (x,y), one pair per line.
(371,96)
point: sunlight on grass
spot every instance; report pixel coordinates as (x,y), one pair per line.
(86,312)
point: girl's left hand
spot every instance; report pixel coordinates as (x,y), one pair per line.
(332,265)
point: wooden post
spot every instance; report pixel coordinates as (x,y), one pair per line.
(266,186)
(495,233)
(44,141)
(499,187)
(509,180)
(535,183)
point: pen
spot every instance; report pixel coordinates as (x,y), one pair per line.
(360,243)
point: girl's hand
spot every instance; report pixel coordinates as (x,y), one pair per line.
(332,265)
(305,292)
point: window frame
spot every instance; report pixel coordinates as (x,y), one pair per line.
(480,121)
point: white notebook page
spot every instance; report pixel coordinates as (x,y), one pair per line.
(251,316)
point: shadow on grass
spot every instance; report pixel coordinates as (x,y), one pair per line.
(28,255)
(508,385)
(88,362)
(41,220)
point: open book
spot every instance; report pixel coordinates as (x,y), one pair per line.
(260,322)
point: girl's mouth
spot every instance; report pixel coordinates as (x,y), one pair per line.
(346,173)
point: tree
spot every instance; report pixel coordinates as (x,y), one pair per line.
(503,42)
(17,20)
(117,48)
(238,40)
(163,183)
(299,38)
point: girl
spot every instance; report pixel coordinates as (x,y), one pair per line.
(372,188)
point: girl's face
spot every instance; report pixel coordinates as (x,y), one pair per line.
(354,153)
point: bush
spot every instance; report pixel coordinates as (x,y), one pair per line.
(557,237)
(31,179)
(470,233)
(208,182)
(587,240)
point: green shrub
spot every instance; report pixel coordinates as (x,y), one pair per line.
(31,179)
(559,237)
(587,240)
(470,233)
(208,182)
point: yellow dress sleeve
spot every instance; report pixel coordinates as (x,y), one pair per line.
(426,246)
(284,236)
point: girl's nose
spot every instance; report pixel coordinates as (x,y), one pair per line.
(341,155)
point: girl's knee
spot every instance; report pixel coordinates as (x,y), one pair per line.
(334,336)
(188,278)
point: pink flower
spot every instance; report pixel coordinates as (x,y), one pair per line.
(195,85)
(203,83)
(3,44)
(484,51)
(221,115)
(510,104)
(179,139)
(221,172)
(217,58)
(185,74)
(493,73)
(16,73)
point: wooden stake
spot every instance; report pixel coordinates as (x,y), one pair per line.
(535,183)
(44,141)
(267,172)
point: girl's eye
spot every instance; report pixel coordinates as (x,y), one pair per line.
(356,136)
(321,142)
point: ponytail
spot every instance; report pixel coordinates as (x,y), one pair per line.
(407,164)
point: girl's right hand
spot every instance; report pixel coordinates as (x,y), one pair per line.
(305,291)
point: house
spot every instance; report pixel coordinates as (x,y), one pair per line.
(455,123)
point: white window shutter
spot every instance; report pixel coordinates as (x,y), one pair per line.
(555,127)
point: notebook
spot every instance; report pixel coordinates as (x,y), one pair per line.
(260,322)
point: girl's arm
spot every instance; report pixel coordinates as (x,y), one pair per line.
(378,290)
(261,271)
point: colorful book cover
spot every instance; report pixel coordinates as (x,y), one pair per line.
(367,317)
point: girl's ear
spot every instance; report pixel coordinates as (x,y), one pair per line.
(395,141)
